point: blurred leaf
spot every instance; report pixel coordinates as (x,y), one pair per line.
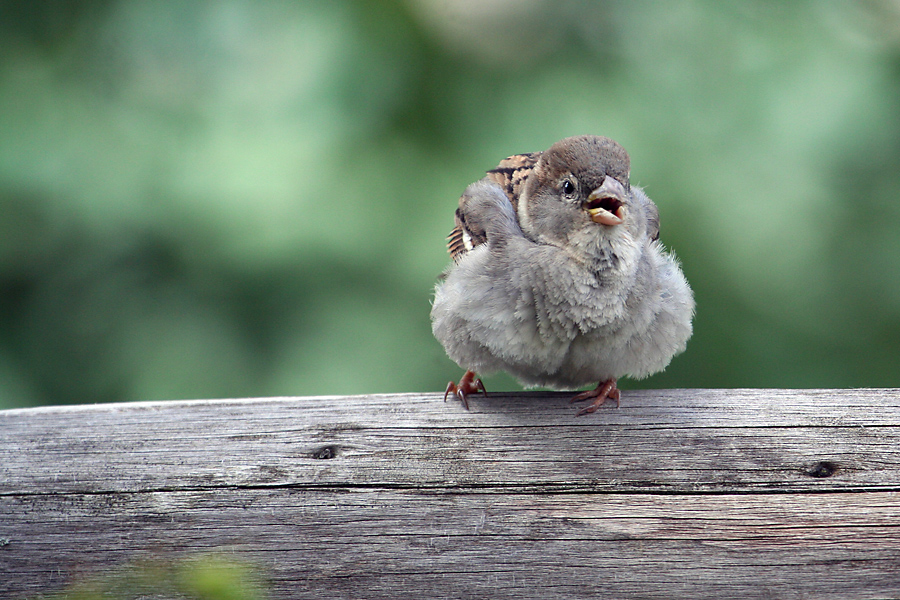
(203,577)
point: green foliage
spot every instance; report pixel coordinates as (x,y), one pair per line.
(232,198)
(207,577)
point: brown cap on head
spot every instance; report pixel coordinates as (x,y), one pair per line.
(589,157)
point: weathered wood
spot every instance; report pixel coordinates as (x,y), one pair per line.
(678,493)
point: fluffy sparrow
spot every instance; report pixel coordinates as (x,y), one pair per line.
(558,276)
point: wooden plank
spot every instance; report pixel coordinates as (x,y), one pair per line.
(690,441)
(679,493)
(398,543)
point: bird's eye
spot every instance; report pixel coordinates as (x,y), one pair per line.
(568,187)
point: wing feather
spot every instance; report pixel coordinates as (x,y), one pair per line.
(510,175)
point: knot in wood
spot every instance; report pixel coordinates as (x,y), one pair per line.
(325,452)
(822,469)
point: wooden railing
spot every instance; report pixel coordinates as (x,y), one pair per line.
(685,494)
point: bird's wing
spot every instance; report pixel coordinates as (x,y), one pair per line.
(510,175)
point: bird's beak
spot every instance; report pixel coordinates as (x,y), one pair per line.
(606,204)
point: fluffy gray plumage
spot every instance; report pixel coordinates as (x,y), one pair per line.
(563,283)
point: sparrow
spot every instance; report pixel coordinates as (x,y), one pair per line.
(558,276)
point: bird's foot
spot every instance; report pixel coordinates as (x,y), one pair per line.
(605,390)
(469,384)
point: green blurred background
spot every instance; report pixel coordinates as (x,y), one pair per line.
(239,198)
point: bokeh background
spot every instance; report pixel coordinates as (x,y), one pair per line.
(239,198)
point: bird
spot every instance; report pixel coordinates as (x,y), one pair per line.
(558,276)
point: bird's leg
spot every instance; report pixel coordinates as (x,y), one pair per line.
(605,390)
(469,384)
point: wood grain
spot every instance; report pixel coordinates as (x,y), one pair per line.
(678,493)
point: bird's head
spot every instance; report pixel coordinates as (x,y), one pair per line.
(579,197)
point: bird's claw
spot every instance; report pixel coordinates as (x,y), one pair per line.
(469,384)
(605,390)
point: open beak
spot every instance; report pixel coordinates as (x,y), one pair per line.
(606,204)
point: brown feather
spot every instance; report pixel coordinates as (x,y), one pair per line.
(510,175)
(512,172)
